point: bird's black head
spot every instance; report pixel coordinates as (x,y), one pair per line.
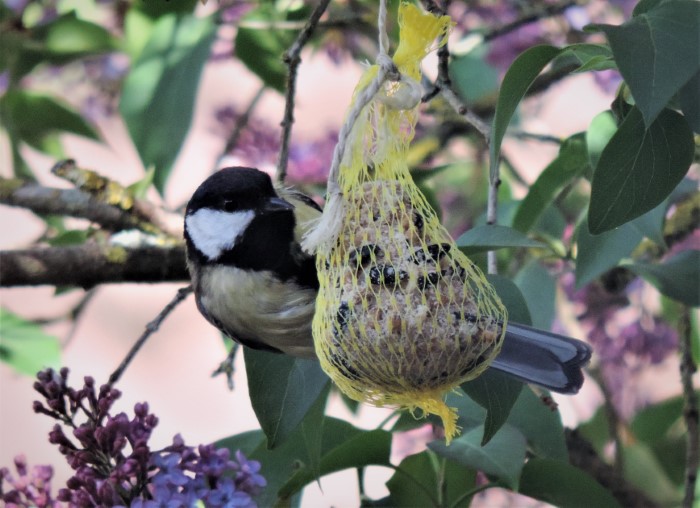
(232,189)
(235,216)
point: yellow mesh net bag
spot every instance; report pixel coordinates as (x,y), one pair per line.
(402,316)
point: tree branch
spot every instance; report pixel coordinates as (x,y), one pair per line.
(292,59)
(71,202)
(151,218)
(583,455)
(91,264)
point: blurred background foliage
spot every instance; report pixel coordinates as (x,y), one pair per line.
(601,242)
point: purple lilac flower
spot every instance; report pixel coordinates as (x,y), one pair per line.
(310,162)
(233,10)
(105,74)
(625,340)
(259,142)
(577,16)
(29,487)
(503,50)
(113,463)
(607,80)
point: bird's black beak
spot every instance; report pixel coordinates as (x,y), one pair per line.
(274,205)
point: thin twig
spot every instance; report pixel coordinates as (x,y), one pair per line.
(151,328)
(75,314)
(613,420)
(227,366)
(534,136)
(492,218)
(690,412)
(292,58)
(241,124)
(544,11)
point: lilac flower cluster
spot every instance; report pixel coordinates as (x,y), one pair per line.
(186,476)
(29,487)
(113,463)
(626,339)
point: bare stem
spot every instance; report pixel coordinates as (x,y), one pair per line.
(151,328)
(292,59)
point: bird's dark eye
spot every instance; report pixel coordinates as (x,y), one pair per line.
(230,205)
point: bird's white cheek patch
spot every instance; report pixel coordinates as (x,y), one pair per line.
(214,231)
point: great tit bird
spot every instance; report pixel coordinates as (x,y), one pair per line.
(250,276)
(253,281)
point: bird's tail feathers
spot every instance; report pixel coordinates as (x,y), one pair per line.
(543,358)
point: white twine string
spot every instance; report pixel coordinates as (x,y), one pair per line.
(328,226)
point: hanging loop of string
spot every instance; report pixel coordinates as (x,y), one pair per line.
(327,228)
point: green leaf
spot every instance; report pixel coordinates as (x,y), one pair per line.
(516,82)
(36,118)
(282,463)
(140,188)
(282,390)
(261,49)
(676,278)
(639,168)
(502,457)
(417,482)
(657,53)
(25,347)
(57,42)
(540,425)
(69,237)
(563,485)
(512,298)
(598,135)
(365,449)
(473,77)
(643,469)
(158,9)
(597,254)
(159,92)
(492,237)
(425,175)
(591,57)
(539,290)
(571,162)
(690,102)
(312,432)
(247,442)
(470,414)
(497,392)
(406,421)
(69,37)
(651,224)
(652,423)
